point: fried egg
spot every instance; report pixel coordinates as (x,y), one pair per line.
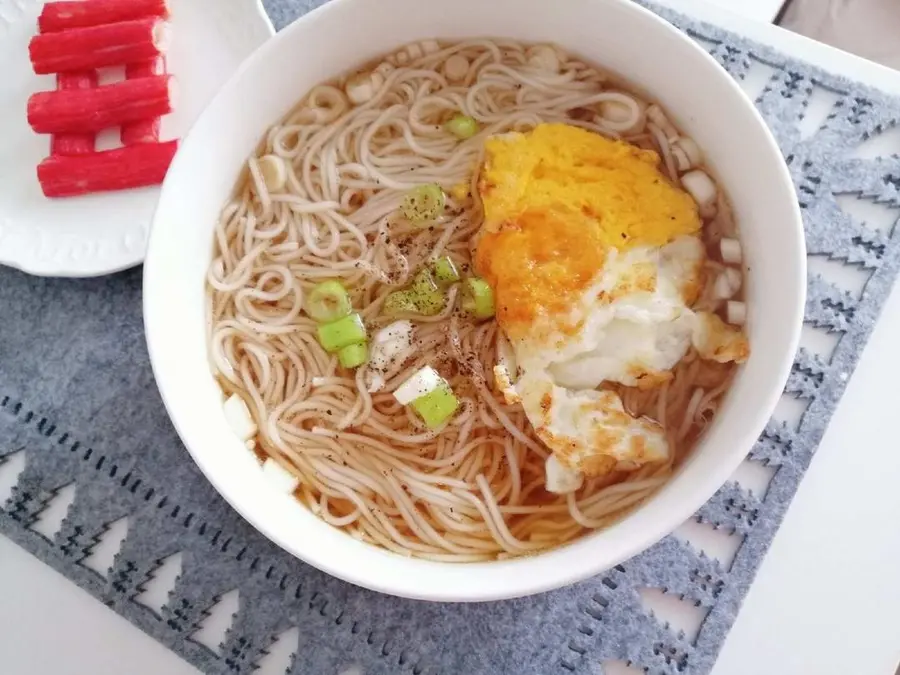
(595,260)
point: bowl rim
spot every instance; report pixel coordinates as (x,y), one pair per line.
(497,580)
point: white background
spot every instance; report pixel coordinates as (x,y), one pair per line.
(824,602)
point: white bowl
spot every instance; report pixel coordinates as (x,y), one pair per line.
(615,34)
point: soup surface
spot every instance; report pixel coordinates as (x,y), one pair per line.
(474,300)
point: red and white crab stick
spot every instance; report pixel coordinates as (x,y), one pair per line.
(112,105)
(134,166)
(99,46)
(60,16)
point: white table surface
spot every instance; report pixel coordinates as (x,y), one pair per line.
(825,599)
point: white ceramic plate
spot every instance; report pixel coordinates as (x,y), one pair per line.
(103,233)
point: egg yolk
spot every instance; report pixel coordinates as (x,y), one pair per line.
(556,199)
(535,263)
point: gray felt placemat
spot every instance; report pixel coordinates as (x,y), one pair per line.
(77,396)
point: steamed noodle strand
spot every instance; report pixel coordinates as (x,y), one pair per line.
(474,489)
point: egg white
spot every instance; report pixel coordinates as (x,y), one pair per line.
(634,321)
(639,333)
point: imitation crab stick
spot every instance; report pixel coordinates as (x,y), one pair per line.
(74,143)
(59,16)
(99,46)
(85,110)
(121,169)
(147,130)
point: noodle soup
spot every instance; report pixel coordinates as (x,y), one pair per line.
(474,300)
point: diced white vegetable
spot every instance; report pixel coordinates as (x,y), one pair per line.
(736,313)
(384,69)
(731,250)
(430,46)
(273,172)
(561,480)
(423,382)
(388,343)
(456,68)
(238,416)
(701,188)
(374,382)
(362,87)
(319,381)
(682,163)
(544,57)
(656,115)
(615,111)
(377,79)
(414,51)
(279,477)
(728,283)
(689,150)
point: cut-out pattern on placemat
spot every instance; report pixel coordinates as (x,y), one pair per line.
(104,477)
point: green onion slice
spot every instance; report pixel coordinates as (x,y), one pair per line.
(462,126)
(352,356)
(423,283)
(338,334)
(426,296)
(478,298)
(399,302)
(328,301)
(423,204)
(445,272)
(437,406)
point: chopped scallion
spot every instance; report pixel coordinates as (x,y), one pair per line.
(352,356)
(423,282)
(437,406)
(422,297)
(328,302)
(445,272)
(425,294)
(462,126)
(422,382)
(423,204)
(399,302)
(338,334)
(478,298)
